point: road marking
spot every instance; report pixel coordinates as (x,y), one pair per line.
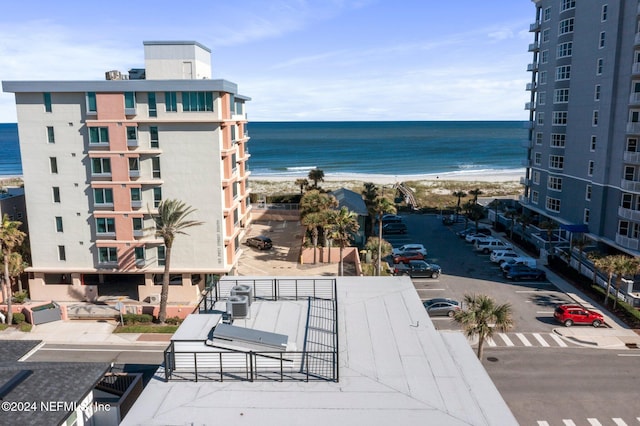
(491,342)
(430,289)
(542,423)
(544,312)
(568,422)
(619,421)
(100,350)
(558,340)
(523,339)
(540,340)
(506,339)
(630,355)
(594,422)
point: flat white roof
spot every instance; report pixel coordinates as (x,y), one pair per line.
(395,369)
(196,327)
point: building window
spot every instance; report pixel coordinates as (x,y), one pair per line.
(50,135)
(92,106)
(155,167)
(587,193)
(566,26)
(545,35)
(556,162)
(593,143)
(553,204)
(542,98)
(561,96)
(101,166)
(601,40)
(103,196)
(544,56)
(540,118)
(554,183)
(132,133)
(197,101)
(560,118)
(157,196)
(604,13)
(536,177)
(136,194)
(53,165)
(236,217)
(596,95)
(47,102)
(590,168)
(599,66)
(537,158)
(153,134)
(564,49)
(546,14)
(623,228)
(627,201)
(171,101)
(586,216)
(139,253)
(129,100)
(153,108)
(539,138)
(59,227)
(534,197)
(138,223)
(558,140)
(161,255)
(567,4)
(56,194)
(563,72)
(542,77)
(595,118)
(107,255)
(99,135)
(62,253)
(629,173)
(632,145)
(134,166)
(105,225)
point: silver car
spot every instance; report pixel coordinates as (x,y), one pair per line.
(442,306)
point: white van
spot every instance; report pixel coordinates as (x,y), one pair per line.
(499,256)
(487,246)
(528,261)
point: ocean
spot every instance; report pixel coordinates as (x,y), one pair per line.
(363,148)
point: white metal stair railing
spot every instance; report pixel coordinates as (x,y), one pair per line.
(408,194)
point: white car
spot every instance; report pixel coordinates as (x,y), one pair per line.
(487,246)
(527,261)
(473,237)
(499,256)
(410,247)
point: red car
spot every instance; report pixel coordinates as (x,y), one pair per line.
(407,256)
(576,314)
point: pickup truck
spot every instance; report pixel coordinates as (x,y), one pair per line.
(417,268)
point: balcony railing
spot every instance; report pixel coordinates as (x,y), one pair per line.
(630,185)
(635,69)
(534,46)
(633,128)
(624,241)
(629,214)
(637,39)
(134,173)
(132,142)
(531,86)
(524,181)
(136,204)
(632,157)
(534,27)
(138,233)
(532,67)
(529,106)
(523,199)
(634,99)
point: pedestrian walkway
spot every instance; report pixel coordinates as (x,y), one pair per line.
(538,340)
(593,421)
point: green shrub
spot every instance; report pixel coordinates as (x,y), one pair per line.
(173,320)
(137,319)
(4,326)
(18,318)
(25,327)
(20,296)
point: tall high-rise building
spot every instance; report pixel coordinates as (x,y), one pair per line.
(99,156)
(583,166)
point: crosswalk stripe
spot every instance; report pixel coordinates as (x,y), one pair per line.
(506,339)
(542,423)
(491,342)
(618,421)
(568,422)
(594,422)
(540,340)
(558,340)
(523,339)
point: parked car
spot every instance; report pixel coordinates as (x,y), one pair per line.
(260,242)
(418,268)
(473,229)
(391,218)
(408,256)
(527,261)
(576,314)
(523,272)
(441,307)
(486,246)
(472,237)
(409,247)
(394,228)
(500,256)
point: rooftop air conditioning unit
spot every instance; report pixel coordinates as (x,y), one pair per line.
(154,298)
(242,290)
(113,75)
(238,306)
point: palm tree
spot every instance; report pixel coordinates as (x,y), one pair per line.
(379,248)
(476,193)
(607,265)
(459,195)
(170,221)
(511,215)
(10,238)
(302,183)
(314,202)
(624,265)
(343,224)
(580,243)
(549,226)
(524,221)
(476,212)
(316,175)
(369,194)
(313,221)
(481,316)
(382,206)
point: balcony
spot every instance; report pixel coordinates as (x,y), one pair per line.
(524,181)
(529,125)
(636,40)
(531,87)
(526,163)
(530,106)
(523,199)
(138,233)
(635,69)
(134,173)
(140,263)
(630,185)
(532,67)
(632,157)
(105,235)
(130,111)
(526,144)
(133,143)
(629,214)
(534,46)
(634,98)
(534,27)
(624,241)
(136,204)
(633,128)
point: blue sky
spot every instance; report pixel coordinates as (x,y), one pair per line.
(297,59)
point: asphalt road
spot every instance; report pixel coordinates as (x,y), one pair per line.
(118,354)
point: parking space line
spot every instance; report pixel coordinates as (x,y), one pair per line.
(491,342)
(544,312)
(568,422)
(540,340)
(618,421)
(506,339)
(594,422)
(542,423)
(558,340)
(523,339)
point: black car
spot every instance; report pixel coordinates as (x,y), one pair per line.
(394,228)
(523,272)
(418,268)
(260,242)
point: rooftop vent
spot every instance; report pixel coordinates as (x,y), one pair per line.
(238,306)
(113,75)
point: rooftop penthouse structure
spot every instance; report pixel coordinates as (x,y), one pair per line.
(98,158)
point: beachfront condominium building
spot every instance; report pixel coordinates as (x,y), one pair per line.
(583,166)
(98,158)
